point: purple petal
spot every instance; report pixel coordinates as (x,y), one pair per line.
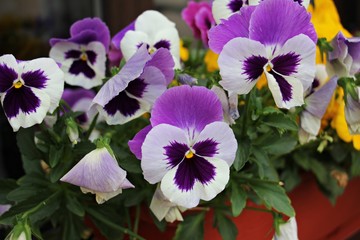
(317,102)
(97,171)
(72,96)
(119,36)
(162,44)
(20,99)
(163,60)
(274,22)
(36,79)
(95,25)
(206,148)
(189,13)
(73,54)
(136,143)
(254,66)
(4,208)
(204,21)
(236,26)
(126,105)
(83,37)
(235,5)
(7,77)
(187,107)
(285,88)
(136,87)
(194,169)
(175,153)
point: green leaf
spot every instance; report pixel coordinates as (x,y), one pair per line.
(64,165)
(273,196)
(84,147)
(262,161)
(74,206)
(6,186)
(291,178)
(242,154)
(355,164)
(280,145)
(238,199)
(55,155)
(320,171)
(25,141)
(191,228)
(225,226)
(280,121)
(73,227)
(22,193)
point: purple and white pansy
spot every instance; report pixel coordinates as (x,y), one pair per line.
(133,91)
(285,53)
(83,55)
(188,149)
(352,112)
(98,173)
(223,9)
(29,89)
(154,30)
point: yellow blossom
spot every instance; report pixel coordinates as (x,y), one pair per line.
(211,61)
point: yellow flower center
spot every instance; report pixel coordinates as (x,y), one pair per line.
(18,84)
(268,68)
(152,50)
(83,57)
(189,154)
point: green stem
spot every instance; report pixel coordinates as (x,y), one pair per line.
(246,114)
(40,205)
(104,220)
(137,218)
(92,126)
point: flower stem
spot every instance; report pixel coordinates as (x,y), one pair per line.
(92,126)
(137,218)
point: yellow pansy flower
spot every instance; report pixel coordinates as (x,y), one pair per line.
(211,61)
(184,52)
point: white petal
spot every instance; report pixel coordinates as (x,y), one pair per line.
(288,230)
(26,120)
(232,60)
(54,87)
(154,162)
(220,10)
(171,35)
(297,96)
(131,42)
(150,22)
(221,133)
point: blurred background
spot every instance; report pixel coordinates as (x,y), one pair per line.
(27,25)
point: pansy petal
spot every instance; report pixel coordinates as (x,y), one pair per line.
(297,59)
(155,85)
(150,22)
(223,136)
(317,102)
(25,107)
(310,123)
(236,26)
(131,43)
(8,72)
(97,171)
(131,70)
(287,91)
(96,25)
(241,64)
(46,75)
(274,22)
(192,110)
(136,143)
(171,37)
(207,191)
(155,163)
(163,60)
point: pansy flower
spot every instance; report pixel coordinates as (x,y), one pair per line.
(154,30)
(344,60)
(98,173)
(199,18)
(223,9)
(83,55)
(4,208)
(188,148)
(316,104)
(229,104)
(29,89)
(352,112)
(256,41)
(132,91)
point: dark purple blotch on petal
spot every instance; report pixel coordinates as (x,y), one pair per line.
(36,79)
(286,64)
(192,169)
(254,67)
(17,99)
(126,105)
(80,66)
(285,87)
(136,87)
(235,5)
(91,55)
(206,148)
(73,54)
(299,1)
(162,44)
(7,77)
(175,153)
